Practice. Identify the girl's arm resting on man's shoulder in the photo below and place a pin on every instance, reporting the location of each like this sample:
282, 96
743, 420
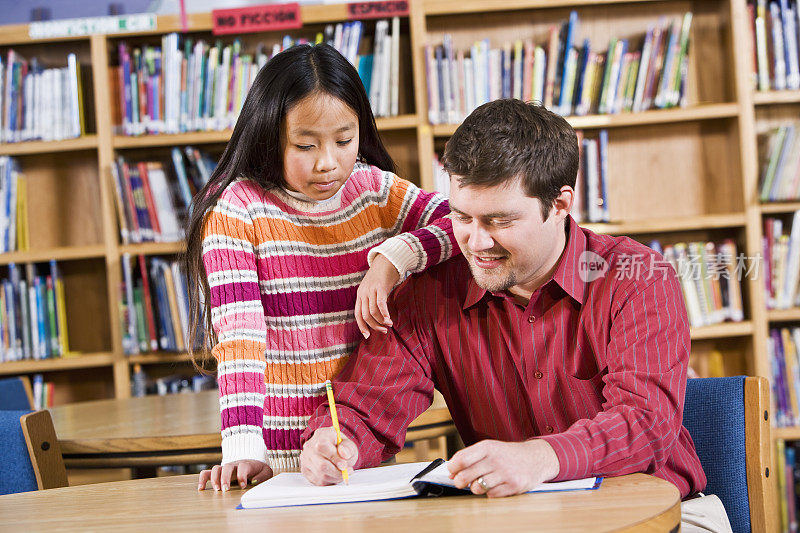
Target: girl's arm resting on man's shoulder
427, 233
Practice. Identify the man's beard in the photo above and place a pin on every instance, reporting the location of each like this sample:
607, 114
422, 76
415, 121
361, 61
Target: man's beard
491, 283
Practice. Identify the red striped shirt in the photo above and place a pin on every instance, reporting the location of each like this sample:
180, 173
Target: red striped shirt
596, 368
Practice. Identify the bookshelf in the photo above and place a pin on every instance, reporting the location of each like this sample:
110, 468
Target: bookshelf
709, 192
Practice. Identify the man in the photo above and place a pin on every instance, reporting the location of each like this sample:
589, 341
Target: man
553, 366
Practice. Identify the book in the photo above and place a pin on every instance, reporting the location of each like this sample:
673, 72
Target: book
374, 484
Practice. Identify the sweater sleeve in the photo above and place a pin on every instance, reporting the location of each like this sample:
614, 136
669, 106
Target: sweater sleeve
422, 232
238, 320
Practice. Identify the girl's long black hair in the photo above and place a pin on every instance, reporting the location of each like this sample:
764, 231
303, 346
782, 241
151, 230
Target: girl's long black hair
255, 150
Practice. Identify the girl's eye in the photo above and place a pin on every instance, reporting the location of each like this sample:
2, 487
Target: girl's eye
344, 143
304, 147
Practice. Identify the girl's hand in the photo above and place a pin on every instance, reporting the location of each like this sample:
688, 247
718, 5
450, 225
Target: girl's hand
371, 309
243, 471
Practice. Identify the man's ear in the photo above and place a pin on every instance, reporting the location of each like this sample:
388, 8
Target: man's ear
564, 201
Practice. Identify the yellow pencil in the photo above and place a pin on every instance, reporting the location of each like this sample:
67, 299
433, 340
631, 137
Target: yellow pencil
335, 419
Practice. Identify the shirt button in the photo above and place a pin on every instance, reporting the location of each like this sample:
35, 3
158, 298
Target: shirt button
549, 429
538, 375
531, 319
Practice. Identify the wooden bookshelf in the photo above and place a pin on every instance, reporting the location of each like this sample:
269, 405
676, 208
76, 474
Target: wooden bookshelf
765, 98
663, 225
153, 248
71, 361
790, 433
644, 118
784, 315
159, 358
778, 208
722, 331
70, 253
87, 142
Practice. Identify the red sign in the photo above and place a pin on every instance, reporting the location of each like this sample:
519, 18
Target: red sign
377, 10
256, 18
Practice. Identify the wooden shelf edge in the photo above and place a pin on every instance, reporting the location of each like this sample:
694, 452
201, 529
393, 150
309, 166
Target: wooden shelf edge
156, 358
153, 248
779, 207
400, 122
661, 225
783, 315
721, 331
643, 118
790, 433
73, 361
171, 139
448, 7
209, 137
776, 97
66, 253
87, 142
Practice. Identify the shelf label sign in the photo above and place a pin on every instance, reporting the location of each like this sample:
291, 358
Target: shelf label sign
376, 10
92, 25
252, 19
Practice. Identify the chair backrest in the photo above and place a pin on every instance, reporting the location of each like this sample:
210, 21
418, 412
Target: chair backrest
31, 458
15, 394
18, 475
728, 419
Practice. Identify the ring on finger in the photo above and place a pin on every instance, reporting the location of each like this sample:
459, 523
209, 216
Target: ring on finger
482, 482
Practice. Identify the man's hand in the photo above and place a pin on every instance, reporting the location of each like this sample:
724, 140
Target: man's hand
371, 309
322, 462
243, 471
506, 468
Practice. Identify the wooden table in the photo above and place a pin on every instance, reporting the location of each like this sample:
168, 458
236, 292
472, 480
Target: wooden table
629, 503
169, 430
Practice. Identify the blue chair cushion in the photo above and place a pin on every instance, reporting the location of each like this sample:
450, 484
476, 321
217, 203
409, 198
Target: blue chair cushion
714, 415
15, 463
13, 395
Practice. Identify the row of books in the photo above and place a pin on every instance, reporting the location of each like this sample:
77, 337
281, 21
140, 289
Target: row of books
782, 347
38, 103
154, 305
33, 318
14, 231
43, 392
788, 455
779, 161
631, 75
774, 26
380, 70
142, 385
781, 249
710, 275
153, 198
591, 187
187, 85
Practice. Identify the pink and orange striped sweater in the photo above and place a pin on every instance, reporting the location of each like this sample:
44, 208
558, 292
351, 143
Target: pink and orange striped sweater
284, 272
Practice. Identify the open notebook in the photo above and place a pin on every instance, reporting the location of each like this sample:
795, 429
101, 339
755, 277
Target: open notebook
371, 484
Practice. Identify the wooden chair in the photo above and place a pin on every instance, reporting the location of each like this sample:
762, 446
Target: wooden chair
16, 394
31, 457
44, 450
728, 419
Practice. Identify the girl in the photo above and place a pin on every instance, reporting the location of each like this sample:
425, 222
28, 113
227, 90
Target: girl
280, 242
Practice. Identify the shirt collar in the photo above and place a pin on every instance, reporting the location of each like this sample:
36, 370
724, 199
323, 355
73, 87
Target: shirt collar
566, 274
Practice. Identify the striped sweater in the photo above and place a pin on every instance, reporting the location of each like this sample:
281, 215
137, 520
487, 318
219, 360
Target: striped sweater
283, 273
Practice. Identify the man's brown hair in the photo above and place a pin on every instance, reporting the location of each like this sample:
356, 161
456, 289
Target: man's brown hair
506, 139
